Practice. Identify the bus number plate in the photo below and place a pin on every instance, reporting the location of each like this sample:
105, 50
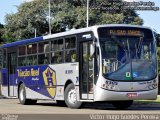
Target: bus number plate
132, 95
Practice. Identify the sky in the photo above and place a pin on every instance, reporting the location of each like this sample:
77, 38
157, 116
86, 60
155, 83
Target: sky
151, 18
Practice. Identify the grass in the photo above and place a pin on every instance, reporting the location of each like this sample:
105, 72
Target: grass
150, 101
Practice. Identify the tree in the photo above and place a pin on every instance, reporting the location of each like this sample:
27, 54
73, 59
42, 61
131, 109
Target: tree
66, 14
158, 51
1, 33
30, 16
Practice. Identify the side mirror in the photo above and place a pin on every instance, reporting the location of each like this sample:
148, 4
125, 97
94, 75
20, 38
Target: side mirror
92, 50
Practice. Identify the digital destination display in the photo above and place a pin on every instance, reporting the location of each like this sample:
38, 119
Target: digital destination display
105, 32
126, 32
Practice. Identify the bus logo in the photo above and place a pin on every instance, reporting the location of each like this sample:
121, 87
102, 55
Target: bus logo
49, 77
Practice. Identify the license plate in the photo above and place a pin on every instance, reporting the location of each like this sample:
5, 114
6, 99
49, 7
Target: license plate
132, 95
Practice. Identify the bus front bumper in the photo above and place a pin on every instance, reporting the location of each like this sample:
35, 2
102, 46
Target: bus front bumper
106, 95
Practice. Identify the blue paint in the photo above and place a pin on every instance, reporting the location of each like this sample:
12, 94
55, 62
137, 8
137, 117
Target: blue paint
12, 79
135, 74
21, 42
4, 73
35, 83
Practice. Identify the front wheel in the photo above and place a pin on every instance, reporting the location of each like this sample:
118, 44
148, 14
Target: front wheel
70, 97
121, 105
22, 96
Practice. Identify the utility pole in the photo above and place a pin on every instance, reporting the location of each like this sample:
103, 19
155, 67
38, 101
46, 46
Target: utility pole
49, 17
87, 13
35, 32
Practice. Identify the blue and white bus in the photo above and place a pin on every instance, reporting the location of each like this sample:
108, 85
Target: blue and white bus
114, 63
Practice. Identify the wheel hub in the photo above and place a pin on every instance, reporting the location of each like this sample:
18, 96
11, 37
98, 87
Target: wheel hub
72, 98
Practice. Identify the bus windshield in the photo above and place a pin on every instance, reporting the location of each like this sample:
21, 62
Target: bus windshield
128, 57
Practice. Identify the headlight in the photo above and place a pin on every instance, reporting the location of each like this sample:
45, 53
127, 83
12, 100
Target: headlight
152, 85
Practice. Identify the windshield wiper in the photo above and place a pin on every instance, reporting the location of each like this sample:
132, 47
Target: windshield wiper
140, 44
137, 48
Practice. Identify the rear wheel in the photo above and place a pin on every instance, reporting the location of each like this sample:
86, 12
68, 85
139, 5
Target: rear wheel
22, 97
70, 97
121, 105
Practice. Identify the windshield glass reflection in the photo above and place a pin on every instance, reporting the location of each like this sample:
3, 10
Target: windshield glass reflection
128, 58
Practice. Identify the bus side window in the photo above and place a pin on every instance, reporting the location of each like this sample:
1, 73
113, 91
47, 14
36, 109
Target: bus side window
22, 50
70, 56
32, 60
57, 48
57, 57
57, 45
4, 58
70, 43
43, 58
22, 56
43, 53
31, 54
43, 47
21, 61
32, 49
70, 49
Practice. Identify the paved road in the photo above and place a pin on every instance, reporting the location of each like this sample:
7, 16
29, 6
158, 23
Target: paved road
12, 106
10, 109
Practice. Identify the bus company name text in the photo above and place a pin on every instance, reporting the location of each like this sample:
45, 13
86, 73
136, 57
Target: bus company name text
27, 73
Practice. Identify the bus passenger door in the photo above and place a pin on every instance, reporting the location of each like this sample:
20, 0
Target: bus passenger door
86, 71
11, 74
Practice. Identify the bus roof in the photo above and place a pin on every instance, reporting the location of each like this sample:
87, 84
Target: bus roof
21, 42
90, 29
71, 32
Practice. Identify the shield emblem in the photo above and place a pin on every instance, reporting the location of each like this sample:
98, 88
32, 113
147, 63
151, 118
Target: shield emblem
49, 77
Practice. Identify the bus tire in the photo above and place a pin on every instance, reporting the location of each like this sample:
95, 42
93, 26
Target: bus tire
121, 105
22, 96
70, 97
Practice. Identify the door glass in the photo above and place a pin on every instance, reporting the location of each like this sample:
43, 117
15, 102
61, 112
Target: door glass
90, 77
87, 69
11, 72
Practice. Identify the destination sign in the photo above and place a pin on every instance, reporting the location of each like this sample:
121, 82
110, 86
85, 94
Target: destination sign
127, 32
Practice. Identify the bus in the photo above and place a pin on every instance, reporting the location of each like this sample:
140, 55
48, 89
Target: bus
114, 63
